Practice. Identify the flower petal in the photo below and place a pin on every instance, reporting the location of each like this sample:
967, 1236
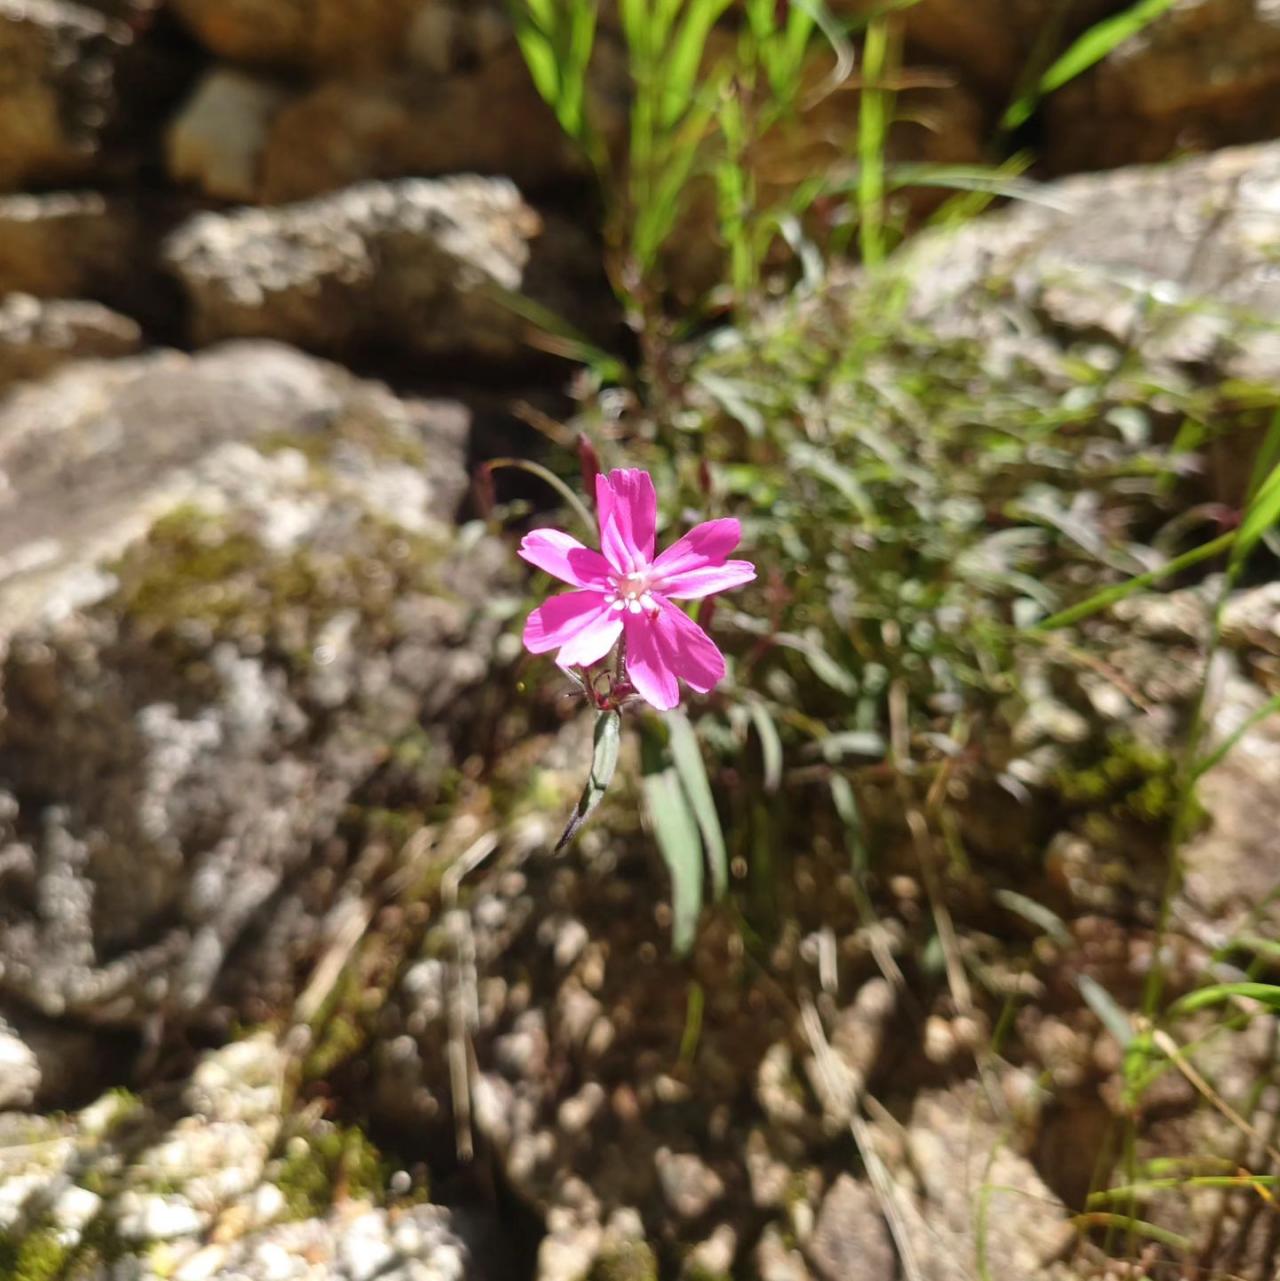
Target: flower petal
693, 584
705, 544
593, 642
627, 509
559, 620
648, 663
695, 657
562, 555
667, 646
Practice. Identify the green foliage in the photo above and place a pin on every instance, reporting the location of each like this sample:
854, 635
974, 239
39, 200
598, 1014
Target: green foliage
556, 38
632, 1261
325, 1161
676, 830
38, 1255
604, 761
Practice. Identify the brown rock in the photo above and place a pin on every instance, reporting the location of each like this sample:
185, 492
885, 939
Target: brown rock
79, 245
989, 42
57, 91
345, 35
488, 121
1205, 74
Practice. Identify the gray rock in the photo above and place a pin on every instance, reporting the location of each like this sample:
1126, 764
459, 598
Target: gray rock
1175, 260
691, 1187
215, 142
419, 266
19, 1071
850, 1238
37, 335
968, 1175
184, 721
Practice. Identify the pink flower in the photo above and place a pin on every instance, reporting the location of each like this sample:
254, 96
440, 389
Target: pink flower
628, 590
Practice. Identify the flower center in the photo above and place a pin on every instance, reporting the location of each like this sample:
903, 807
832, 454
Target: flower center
631, 592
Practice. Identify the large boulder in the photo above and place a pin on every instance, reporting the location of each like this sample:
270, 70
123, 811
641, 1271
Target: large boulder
230, 584
420, 267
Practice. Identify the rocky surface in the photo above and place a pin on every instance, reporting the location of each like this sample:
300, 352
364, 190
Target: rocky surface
208, 1184
229, 582
36, 335
1174, 262
275, 816
421, 267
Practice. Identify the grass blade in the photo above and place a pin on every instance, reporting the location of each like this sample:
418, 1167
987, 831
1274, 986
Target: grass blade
873, 128
538, 470
1267, 993
687, 756
1123, 1222
604, 761
684, 57
1090, 48
1260, 514
1219, 753
770, 744
1108, 597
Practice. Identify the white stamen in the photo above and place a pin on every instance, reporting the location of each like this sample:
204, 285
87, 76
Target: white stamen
634, 605
648, 602
618, 604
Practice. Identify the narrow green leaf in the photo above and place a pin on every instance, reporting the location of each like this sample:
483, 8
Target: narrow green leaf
1267, 993
540, 58
845, 800
1039, 915
1260, 514
538, 470
1090, 48
687, 755
770, 744
604, 762
1268, 457
1108, 597
823, 666
683, 58
676, 832
835, 747
1220, 753
1105, 1006
873, 128
1124, 1223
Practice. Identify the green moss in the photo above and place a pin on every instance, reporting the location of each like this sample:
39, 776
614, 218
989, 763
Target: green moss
38, 1255
632, 1261
371, 433
326, 1162
197, 573
1133, 781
